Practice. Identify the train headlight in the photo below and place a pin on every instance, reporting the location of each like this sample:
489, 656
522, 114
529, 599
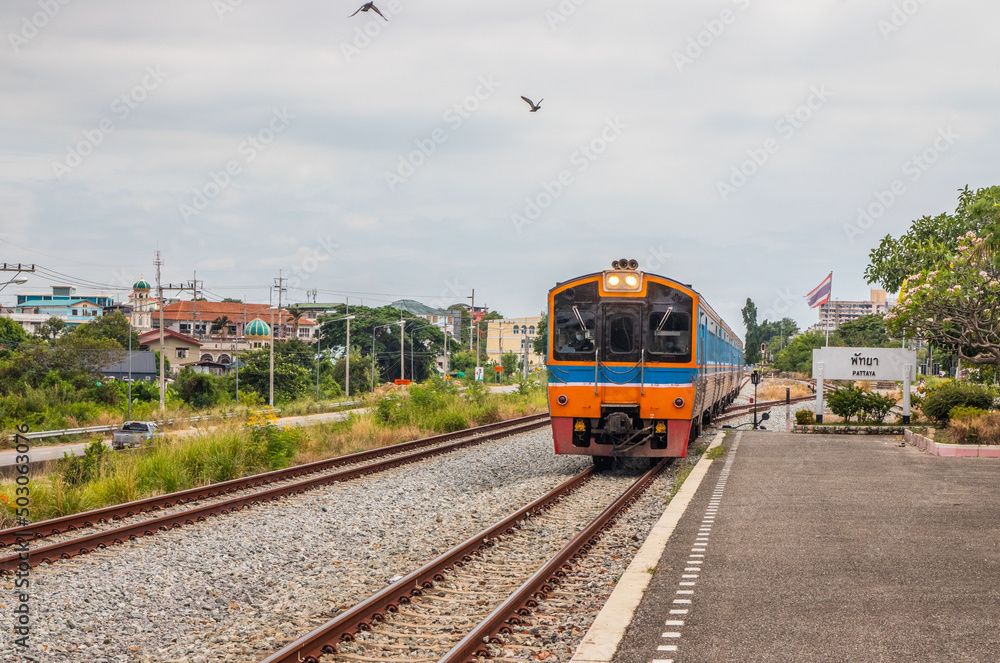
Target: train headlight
619, 281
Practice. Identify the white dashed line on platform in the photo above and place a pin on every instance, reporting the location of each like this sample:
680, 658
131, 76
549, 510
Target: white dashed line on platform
696, 555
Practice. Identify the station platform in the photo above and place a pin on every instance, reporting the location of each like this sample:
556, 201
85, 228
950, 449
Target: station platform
815, 548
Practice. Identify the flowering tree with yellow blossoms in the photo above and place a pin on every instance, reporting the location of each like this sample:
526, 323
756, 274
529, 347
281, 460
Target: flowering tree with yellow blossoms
956, 306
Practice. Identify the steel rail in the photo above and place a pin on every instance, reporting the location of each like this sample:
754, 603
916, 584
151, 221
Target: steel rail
324, 639
107, 514
101, 539
543, 582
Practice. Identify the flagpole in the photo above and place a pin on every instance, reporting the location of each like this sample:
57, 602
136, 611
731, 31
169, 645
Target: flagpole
828, 322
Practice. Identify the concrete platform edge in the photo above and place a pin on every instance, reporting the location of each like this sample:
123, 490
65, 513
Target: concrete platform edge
602, 639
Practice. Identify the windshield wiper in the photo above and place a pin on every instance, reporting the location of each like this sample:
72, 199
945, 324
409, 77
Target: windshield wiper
659, 327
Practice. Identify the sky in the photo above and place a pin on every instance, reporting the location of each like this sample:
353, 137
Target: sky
746, 147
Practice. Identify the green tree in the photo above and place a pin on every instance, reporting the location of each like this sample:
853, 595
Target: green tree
797, 355
510, 362
956, 306
199, 390
291, 379
11, 334
221, 324
868, 331
114, 326
751, 345
51, 328
541, 342
428, 340
932, 242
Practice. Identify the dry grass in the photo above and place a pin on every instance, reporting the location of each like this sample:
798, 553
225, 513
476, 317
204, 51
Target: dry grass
984, 429
773, 389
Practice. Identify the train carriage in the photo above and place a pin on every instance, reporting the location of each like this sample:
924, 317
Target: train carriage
637, 364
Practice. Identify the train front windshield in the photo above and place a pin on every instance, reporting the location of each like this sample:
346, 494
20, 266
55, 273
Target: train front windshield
621, 328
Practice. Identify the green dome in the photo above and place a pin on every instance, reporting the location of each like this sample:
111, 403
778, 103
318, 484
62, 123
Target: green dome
257, 328
142, 284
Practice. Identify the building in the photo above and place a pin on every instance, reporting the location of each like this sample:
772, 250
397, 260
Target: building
62, 294
443, 319
141, 314
142, 367
179, 349
196, 319
835, 313
34, 308
514, 335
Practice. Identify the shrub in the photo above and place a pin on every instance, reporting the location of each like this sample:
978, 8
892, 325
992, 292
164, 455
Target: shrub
451, 421
965, 412
938, 404
76, 471
875, 407
846, 402
804, 418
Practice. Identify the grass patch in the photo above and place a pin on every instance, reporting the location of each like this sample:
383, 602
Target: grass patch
717, 452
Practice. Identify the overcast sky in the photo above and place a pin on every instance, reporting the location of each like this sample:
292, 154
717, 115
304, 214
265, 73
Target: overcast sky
396, 158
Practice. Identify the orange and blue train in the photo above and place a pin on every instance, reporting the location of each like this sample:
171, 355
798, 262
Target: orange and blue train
637, 364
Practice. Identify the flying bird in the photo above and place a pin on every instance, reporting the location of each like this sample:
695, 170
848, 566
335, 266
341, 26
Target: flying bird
534, 106
370, 5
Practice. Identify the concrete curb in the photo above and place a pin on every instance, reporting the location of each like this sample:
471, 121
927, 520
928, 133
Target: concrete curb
953, 450
602, 639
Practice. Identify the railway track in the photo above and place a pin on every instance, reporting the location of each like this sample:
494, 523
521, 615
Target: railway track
459, 605
742, 410
200, 503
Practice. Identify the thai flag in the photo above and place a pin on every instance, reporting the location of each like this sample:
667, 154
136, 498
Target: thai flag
821, 294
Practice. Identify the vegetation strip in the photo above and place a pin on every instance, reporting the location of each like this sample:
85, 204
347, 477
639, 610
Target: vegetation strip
85, 544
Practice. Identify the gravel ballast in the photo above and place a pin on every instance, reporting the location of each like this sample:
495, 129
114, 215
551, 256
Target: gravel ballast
239, 586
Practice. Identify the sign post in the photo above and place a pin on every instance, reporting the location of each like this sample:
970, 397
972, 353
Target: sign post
892, 364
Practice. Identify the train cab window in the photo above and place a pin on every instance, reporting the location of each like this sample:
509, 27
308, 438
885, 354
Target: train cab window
669, 334
574, 323
573, 333
668, 321
622, 331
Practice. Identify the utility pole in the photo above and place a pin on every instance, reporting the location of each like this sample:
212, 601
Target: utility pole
280, 283
270, 398
159, 296
194, 305
347, 357
472, 318
402, 346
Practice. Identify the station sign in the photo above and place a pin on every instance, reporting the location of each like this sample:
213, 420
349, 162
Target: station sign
480, 373
865, 364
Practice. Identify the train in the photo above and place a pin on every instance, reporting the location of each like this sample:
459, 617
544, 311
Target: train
637, 364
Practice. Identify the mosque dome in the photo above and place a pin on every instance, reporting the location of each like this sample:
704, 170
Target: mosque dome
256, 329
142, 284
